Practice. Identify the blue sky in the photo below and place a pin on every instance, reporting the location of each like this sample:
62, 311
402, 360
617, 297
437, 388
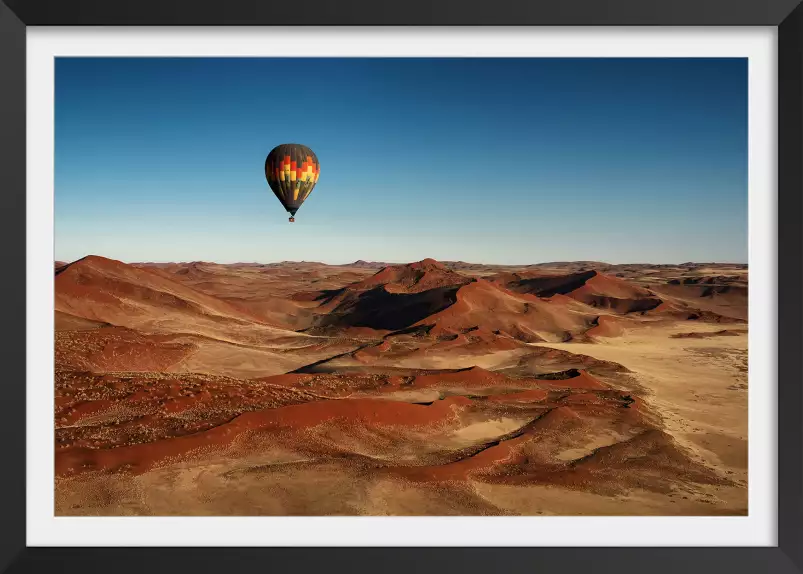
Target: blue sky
483, 160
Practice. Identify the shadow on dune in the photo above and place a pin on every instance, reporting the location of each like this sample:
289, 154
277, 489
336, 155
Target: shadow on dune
379, 309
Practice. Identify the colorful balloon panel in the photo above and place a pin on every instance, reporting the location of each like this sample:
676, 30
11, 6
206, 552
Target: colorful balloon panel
292, 171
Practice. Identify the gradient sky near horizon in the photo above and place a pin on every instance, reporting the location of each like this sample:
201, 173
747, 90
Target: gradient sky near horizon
485, 160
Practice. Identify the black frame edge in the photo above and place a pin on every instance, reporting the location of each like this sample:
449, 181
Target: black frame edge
788, 557
12, 350
790, 285
406, 560
407, 13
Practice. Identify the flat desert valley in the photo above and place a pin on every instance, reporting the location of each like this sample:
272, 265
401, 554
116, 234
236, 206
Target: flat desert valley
428, 388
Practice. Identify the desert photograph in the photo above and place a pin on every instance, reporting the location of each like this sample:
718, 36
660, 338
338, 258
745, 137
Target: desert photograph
401, 287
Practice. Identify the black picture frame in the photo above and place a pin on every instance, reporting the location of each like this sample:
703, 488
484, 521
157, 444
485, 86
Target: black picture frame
787, 15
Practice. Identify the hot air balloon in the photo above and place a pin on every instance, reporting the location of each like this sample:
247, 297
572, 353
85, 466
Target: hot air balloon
292, 171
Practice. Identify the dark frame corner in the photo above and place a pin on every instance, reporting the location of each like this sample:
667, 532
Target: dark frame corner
787, 15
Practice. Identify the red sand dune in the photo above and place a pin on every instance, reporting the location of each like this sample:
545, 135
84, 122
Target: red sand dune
383, 310
607, 326
533, 396
589, 287
413, 277
104, 289
522, 317
582, 380
439, 340
479, 340
727, 300
479, 377
650, 460
119, 349
473, 377
113, 292
528, 306
392, 299
498, 454
66, 322
373, 412
484, 461
699, 335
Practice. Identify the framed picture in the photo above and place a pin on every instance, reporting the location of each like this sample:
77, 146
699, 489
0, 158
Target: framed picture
433, 286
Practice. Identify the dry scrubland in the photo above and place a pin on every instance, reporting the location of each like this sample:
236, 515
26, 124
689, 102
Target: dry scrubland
421, 389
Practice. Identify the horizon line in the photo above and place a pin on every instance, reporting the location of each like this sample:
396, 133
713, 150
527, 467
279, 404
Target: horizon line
286, 261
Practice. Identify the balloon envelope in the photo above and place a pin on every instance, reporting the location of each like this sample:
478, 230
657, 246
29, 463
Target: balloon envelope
292, 171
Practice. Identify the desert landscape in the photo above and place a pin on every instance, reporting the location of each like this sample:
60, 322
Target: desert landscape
425, 388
